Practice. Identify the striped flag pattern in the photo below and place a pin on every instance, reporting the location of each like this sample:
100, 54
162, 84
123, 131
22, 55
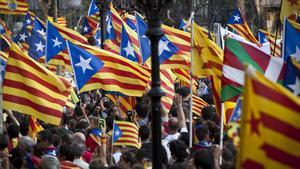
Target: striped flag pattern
198, 105
185, 78
34, 127
14, 7
32, 89
125, 103
118, 74
125, 134
270, 124
167, 79
60, 20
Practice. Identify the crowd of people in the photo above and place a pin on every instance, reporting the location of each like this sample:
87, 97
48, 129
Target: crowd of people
71, 144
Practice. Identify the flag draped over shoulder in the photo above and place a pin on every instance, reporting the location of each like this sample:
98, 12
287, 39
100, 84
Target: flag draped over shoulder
236, 55
32, 89
289, 8
270, 125
14, 7
125, 134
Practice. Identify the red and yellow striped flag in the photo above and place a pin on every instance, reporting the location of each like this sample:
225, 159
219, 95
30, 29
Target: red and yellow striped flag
270, 125
125, 134
60, 20
271, 38
34, 127
14, 7
32, 89
198, 105
125, 103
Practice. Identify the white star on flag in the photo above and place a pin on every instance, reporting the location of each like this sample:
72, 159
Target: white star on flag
265, 39
163, 46
85, 29
28, 21
296, 55
23, 37
117, 133
56, 42
236, 18
84, 64
129, 49
295, 87
39, 46
109, 27
42, 32
98, 41
2, 68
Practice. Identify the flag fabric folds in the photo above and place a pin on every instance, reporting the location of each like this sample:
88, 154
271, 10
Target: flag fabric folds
34, 127
125, 134
265, 36
3, 28
198, 105
289, 8
236, 55
116, 74
270, 124
292, 56
14, 7
238, 23
32, 89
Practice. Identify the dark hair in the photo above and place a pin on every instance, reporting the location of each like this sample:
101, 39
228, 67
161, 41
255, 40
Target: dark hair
208, 112
183, 91
178, 149
208, 98
46, 135
144, 132
142, 110
185, 138
66, 138
109, 122
202, 132
82, 124
204, 159
17, 157
56, 140
3, 142
25, 127
143, 153
66, 152
78, 111
13, 130
96, 164
78, 149
129, 157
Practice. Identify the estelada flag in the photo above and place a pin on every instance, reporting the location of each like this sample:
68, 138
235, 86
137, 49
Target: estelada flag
270, 125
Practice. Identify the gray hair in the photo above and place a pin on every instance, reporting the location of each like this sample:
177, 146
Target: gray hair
78, 149
78, 137
26, 143
49, 162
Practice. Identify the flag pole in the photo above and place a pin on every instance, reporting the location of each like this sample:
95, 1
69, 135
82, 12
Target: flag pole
112, 143
277, 27
191, 80
1, 99
221, 130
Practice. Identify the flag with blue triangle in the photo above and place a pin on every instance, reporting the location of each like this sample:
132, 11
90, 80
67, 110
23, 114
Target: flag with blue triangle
55, 43
292, 56
93, 9
28, 20
127, 49
37, 44
2, 68
262, 38
166, 49
23, 36
237, 111
144, 40
84, 64
97, 37
39, 27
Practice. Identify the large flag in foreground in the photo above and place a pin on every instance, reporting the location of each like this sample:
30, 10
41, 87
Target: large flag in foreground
14, 7
32, 89
270, 125
236, 55
125, 134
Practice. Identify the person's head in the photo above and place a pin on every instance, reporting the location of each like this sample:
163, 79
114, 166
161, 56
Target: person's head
78, 112
24, 127
78, 149
203, 159
144, 132
66, 153
173, 125
178, 150
78, 137
208, 112
142, 110
13, 130
96, 164
82, 124
3, 142
184, 92
202, 133
26, 143
94, 122
109, 122
127, 160
71, 124
49, 162
185, 138
16, 159
45, 139
114, 112
66, 138
208, 98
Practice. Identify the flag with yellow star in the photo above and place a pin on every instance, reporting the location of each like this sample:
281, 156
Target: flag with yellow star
289, 8
270, 126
